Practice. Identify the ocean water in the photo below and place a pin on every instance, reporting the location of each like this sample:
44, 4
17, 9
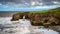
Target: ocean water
22, 26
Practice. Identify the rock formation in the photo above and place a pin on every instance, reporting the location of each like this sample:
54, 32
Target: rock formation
38, 19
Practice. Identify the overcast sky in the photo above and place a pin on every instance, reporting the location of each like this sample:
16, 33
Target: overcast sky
31, 2
19, 5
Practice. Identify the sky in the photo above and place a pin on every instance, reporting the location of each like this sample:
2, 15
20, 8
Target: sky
28, 5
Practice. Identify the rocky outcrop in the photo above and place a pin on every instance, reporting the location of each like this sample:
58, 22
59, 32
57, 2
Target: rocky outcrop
18, 16
50, 19
38, 19
15, 17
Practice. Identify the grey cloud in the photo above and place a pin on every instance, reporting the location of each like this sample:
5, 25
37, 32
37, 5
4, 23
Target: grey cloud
28, 2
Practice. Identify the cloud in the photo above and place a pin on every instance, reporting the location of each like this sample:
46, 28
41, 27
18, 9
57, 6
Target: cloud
29, 3
32, 3
55, 2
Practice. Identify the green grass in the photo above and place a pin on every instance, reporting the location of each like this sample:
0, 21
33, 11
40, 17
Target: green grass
52, 11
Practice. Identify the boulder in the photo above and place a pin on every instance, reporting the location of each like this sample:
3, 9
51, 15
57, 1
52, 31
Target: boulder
15, 17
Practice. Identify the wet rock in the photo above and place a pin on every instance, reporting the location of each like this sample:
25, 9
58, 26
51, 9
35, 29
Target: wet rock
19, 15
15, 17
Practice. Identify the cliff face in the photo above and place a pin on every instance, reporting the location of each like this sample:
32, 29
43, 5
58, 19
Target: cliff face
45, 18
38, 19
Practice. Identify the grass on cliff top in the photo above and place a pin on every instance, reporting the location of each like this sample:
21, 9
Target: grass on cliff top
52, 11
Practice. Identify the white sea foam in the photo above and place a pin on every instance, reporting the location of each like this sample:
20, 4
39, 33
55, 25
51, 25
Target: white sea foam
21, 27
